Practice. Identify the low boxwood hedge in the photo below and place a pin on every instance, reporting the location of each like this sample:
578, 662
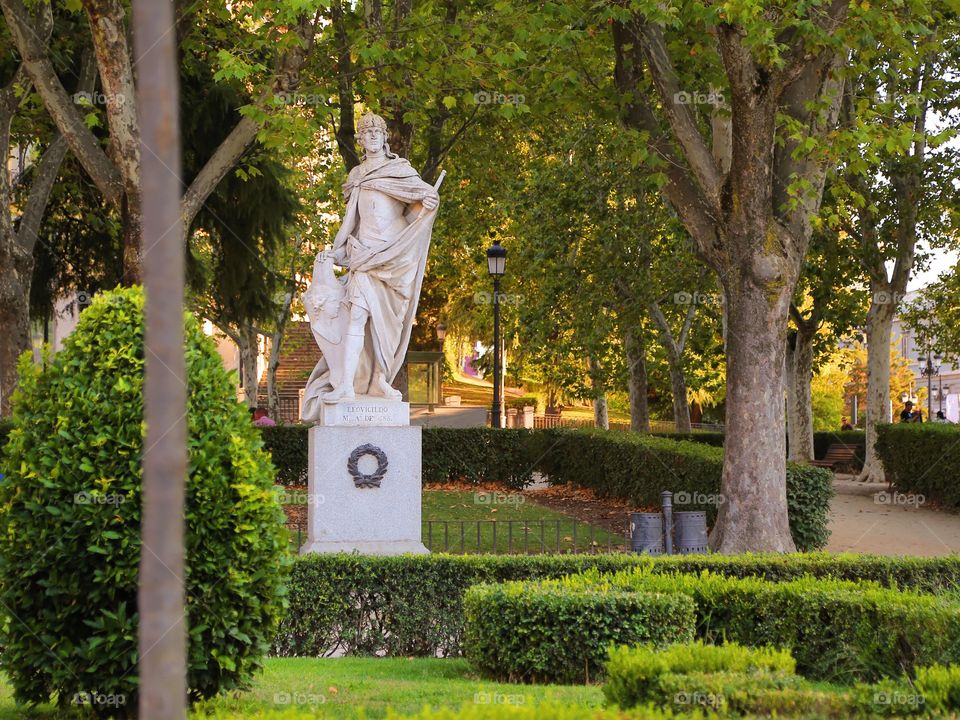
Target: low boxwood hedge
524, 632
629, 466
923, 459
473, 455
712, 438
837, 630
821, 441
635, 675
741, 681
413, 605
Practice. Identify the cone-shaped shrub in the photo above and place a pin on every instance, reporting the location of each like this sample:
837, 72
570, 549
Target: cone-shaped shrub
70, 509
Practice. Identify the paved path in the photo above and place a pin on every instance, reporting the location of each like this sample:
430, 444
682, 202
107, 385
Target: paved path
865, 518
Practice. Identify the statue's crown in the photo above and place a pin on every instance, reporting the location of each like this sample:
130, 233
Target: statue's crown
371, 120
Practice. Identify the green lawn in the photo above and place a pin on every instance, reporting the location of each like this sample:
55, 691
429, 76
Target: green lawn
508, 524
516, 524
338, 686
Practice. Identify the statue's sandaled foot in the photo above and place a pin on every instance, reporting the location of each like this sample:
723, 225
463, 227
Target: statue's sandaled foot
343, 392
383, 388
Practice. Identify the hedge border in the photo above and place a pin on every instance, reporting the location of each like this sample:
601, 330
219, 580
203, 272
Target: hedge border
519, 632
922, 459
413, 605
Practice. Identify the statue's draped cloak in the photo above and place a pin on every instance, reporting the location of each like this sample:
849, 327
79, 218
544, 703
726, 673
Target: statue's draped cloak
384, 277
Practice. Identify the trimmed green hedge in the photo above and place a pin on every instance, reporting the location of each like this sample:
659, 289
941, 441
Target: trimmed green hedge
475, 455
922, 459
478, 455
760, 682
287, 445
836, 630
635, 674
712, 438
821, 440
413, 605
524, 632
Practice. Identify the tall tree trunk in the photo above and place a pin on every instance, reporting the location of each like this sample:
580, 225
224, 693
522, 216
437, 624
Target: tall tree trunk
681, 408
637, 379
754, 470
674, 348
276, 346
790, 389
247, 343
601, 414
879, 330
799, 369
16, 271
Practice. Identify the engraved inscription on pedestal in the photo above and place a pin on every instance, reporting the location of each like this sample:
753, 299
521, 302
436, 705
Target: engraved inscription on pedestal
365, 412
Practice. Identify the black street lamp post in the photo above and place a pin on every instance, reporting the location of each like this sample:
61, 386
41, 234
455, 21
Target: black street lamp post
496, 265
930, 366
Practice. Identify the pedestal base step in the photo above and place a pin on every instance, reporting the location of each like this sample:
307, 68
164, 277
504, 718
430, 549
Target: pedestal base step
365, 547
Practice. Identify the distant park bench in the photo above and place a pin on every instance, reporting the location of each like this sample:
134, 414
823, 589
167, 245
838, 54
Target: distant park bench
838, 454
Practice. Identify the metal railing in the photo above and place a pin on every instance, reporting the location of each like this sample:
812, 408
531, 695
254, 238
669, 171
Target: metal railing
510, 537
667, 426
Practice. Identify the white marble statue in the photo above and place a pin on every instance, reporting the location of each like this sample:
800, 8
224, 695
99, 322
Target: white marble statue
362, 320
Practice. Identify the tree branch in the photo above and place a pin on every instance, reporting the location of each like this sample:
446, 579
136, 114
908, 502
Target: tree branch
681, 192
45, 174
65, 114
682, 123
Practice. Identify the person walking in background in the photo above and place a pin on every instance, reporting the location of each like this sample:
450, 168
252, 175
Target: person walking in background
846, 425
941, 418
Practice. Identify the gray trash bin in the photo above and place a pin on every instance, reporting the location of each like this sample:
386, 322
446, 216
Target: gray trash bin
646, 533
690, 528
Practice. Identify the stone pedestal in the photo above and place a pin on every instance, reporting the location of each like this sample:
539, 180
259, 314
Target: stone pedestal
364, 479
